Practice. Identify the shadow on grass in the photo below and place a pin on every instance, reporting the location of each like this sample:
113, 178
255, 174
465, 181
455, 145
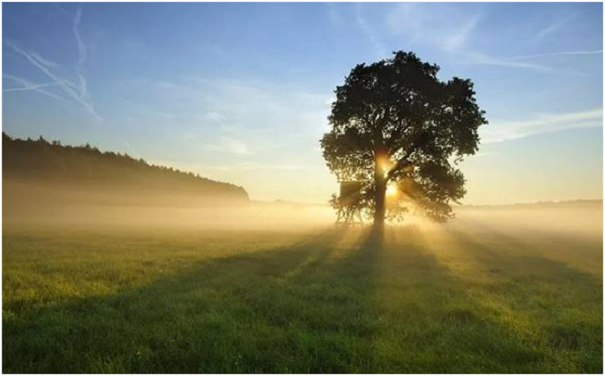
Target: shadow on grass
282, 310
338, 302
547, 304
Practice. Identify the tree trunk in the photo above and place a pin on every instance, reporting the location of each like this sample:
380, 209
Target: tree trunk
379, 212
380, 183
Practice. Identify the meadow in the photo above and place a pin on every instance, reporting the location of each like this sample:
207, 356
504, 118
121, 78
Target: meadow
495, 291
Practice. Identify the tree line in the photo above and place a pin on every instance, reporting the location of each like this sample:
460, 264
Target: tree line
50, 162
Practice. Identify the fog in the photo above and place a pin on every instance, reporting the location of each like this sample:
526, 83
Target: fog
36, 205
43, 206
584, 218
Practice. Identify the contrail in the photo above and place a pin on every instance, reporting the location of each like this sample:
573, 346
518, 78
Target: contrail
27, 86
81, 54
78, 92
66, 85
562, 53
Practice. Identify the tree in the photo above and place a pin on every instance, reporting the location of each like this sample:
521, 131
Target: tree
395, 123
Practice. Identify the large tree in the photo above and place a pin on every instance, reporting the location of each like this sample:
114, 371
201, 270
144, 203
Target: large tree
395, 123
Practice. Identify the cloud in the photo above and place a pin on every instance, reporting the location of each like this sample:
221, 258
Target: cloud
25, 85
253, 166
554, 27
59, 8
460, 37
443, 25
502, 130
256, 108
217, 117
483, 59
450, 28
170, 85
560, 53
517, 61
334, 16
236, 118
82, 57
230, 146
369, 31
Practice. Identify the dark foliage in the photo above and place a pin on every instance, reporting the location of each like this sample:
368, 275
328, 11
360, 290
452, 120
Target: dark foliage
395, 122
43, 162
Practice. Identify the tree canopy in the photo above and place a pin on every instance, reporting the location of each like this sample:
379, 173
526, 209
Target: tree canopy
395, 124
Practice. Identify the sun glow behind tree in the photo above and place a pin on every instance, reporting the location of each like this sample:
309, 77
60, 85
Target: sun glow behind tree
395, 122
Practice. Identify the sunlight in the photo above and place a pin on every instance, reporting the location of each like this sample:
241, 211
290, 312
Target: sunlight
391, 190
385, 164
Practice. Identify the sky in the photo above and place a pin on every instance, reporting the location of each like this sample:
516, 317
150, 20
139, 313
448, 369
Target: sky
240, 92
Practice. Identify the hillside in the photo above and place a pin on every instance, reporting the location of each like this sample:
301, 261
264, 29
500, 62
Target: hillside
48, 172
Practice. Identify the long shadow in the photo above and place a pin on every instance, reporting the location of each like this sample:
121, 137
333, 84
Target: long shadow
336, 302
436, 322
289, 309
549, 304
523, 255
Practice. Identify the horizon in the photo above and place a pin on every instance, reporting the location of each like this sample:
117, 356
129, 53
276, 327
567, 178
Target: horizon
236, 94
286, 202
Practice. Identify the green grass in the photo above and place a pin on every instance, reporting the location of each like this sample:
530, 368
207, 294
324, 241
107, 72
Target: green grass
460, 299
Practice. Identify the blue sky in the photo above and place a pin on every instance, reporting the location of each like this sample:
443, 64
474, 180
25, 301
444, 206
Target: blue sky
240, 92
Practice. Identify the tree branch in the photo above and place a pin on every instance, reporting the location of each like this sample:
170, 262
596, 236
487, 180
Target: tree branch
403, 162
400, 165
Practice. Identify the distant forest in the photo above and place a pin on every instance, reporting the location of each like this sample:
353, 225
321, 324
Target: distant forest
49, 163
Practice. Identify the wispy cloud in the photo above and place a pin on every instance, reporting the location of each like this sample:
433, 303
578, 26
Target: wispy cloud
229, 145
81, 54
459, 38
452, 29
25, 85
59, 8
253, 166
442, 25
47, 63
369, 31
554, 27
334, 15
217, 117
244, 120
130, 148
77, 92
560, 53
503, 130
258, 108
483, 59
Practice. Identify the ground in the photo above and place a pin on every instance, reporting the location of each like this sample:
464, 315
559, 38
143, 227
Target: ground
475, 295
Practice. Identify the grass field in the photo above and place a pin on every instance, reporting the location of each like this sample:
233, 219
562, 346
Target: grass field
478, 295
